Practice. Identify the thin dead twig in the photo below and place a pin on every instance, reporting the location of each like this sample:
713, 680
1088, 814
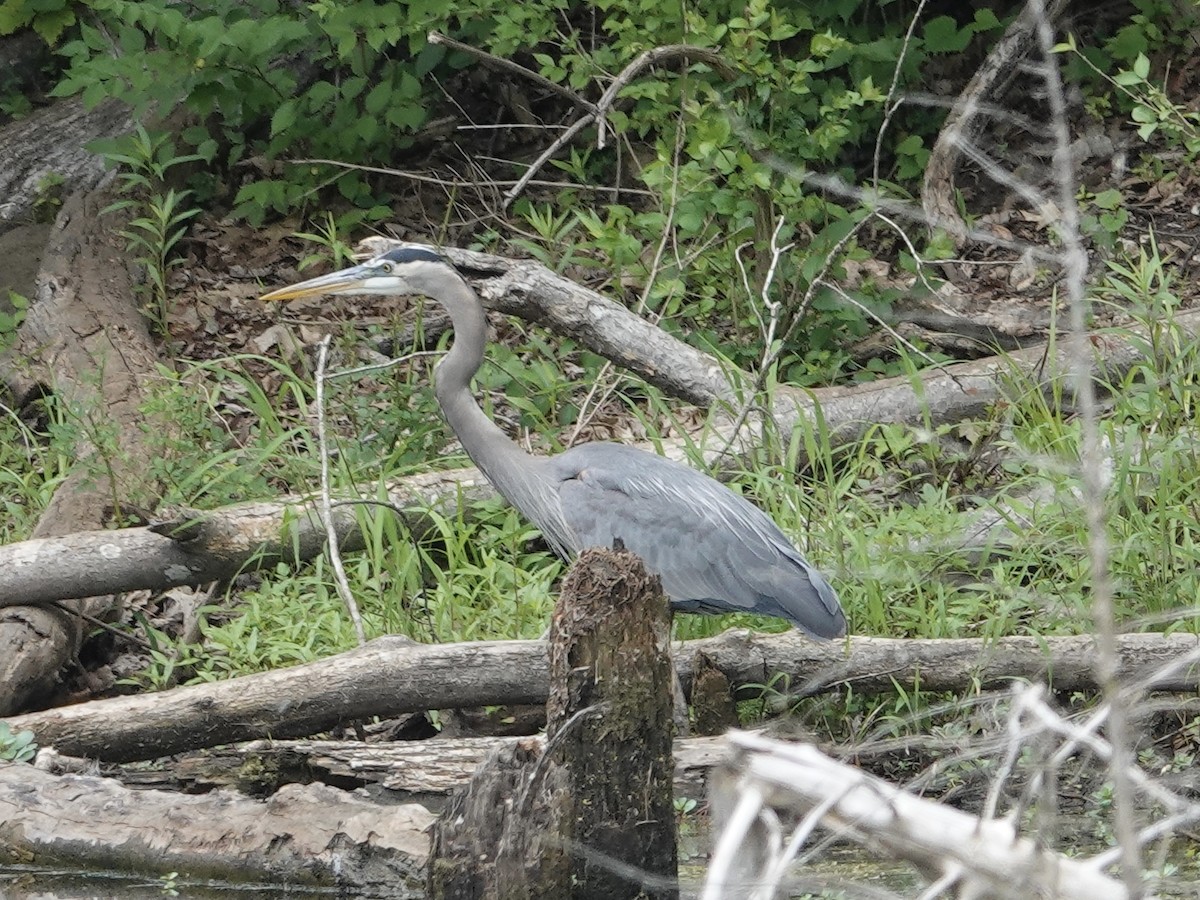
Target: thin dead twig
1074, 264
608, 98
335, 555
499, 62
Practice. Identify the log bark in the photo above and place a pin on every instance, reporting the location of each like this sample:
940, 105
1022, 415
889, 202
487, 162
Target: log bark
422, 772
45, 157
84, 341
310, 835
573, 817
390, 677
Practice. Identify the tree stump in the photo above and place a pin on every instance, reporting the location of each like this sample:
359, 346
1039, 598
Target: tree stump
593, 817
712, 697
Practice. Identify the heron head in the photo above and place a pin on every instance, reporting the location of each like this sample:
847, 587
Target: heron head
405, 270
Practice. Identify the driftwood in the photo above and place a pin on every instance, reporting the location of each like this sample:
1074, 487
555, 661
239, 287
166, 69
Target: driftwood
766, 784
390, 677
304, 835
572, 816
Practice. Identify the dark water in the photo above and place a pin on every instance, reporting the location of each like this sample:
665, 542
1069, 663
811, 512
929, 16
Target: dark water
36, 883
841, 871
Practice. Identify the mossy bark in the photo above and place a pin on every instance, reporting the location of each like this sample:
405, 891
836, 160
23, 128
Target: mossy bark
593, 816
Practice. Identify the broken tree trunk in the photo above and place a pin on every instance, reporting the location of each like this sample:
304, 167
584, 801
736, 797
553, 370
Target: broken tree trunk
85, 342
593, 816
390, 677
972, 110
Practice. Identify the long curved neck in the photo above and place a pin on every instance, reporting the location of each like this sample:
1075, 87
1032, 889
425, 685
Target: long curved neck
505, 464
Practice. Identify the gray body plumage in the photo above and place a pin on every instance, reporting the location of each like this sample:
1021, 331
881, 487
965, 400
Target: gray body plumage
714, 550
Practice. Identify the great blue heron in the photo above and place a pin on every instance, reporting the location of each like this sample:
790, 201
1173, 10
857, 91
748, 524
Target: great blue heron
715, 551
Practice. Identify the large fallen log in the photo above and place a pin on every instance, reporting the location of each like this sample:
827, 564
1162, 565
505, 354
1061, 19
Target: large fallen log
194, 548
391, 677
304, 835
412, 771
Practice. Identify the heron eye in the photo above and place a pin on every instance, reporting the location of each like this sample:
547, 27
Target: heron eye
388, 266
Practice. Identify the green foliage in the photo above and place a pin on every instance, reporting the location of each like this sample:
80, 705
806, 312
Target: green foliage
32, 466
1154, 112
1102, 217
153, 235
201, 462
19, 746
804, 88
1136, 89
48, 18
328, 237
11, 318
49, 197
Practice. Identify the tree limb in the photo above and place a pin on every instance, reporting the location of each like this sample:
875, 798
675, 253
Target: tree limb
982, 857
85, 341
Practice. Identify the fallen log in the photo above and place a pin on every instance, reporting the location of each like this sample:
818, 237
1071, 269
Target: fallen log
422, 772
390, 677
307, 835
193, 548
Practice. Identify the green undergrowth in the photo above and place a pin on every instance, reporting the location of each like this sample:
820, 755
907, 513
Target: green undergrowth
898, 520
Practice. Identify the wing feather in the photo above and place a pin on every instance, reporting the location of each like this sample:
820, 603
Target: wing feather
714, 550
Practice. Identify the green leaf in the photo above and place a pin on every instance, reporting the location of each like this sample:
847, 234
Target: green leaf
985, 20
320, 93
378, 98
284, 117
942, 35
